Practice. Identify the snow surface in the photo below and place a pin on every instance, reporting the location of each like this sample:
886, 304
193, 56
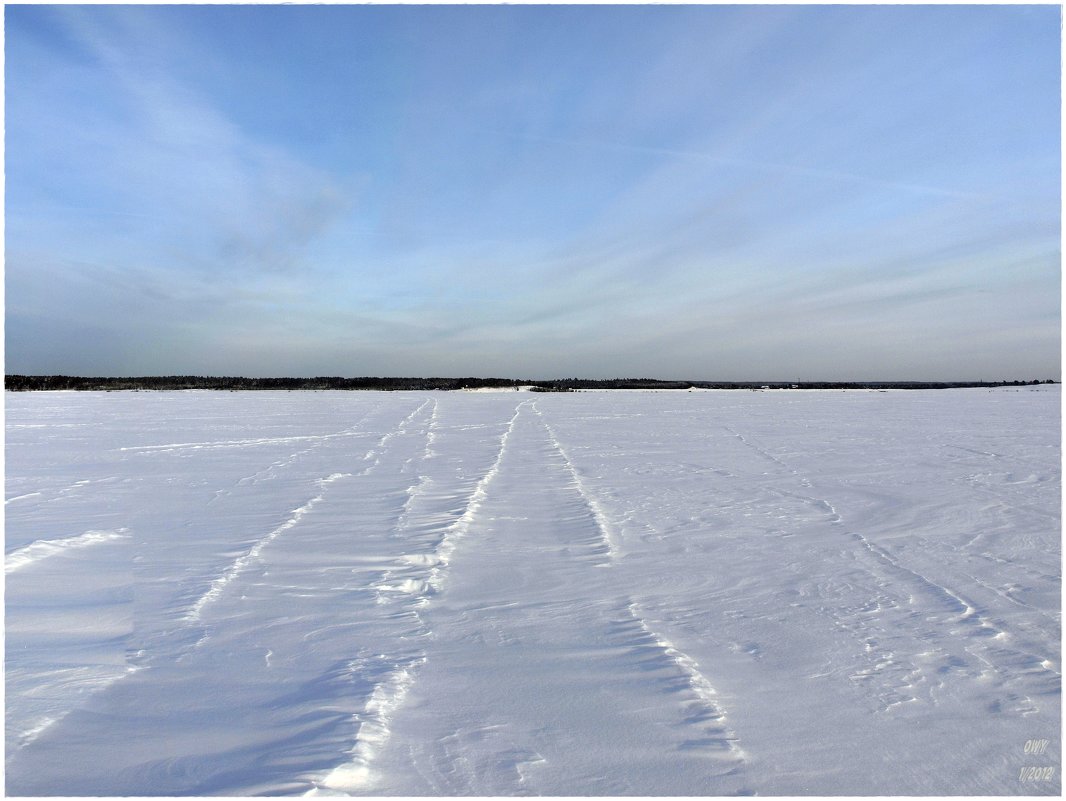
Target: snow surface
599, 593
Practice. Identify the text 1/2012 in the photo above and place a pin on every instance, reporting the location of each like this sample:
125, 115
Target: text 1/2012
1036, 774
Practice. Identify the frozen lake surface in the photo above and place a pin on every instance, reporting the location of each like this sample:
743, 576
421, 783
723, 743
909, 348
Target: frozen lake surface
508, 593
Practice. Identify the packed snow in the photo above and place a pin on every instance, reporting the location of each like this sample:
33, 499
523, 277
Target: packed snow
508, 593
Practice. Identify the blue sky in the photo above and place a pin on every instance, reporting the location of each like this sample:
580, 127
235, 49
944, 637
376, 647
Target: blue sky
746, 192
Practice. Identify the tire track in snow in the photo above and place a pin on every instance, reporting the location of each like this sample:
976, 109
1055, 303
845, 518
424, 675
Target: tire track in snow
767, 455
610, 546
431, 435
374, 715
652, 675
431, 432
965, 610
374, 731
378, 450
388, 694
989, 648
898, 678
386, 585
271, 469
702, 707
42, 549
241, 563
457, 530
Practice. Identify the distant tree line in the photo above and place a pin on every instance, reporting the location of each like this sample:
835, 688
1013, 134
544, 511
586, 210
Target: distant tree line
868, 384
53, 382
25, 383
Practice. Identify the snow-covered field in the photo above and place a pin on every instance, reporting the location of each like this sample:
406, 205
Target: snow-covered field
600, 593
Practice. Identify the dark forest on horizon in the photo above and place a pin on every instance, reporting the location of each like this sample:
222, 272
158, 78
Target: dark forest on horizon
28, 383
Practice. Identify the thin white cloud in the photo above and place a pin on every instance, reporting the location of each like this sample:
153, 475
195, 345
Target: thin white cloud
769, 167
229, 198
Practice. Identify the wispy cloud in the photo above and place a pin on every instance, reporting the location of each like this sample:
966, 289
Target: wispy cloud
771, 168
221, 197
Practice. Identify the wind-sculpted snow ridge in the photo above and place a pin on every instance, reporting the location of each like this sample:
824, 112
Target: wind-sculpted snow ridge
65, 492
42, 549
609, 544
237, 443
702, 708
85, 680
243, 561
373, 734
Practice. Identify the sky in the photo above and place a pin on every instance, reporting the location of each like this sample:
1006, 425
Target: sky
677, 192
